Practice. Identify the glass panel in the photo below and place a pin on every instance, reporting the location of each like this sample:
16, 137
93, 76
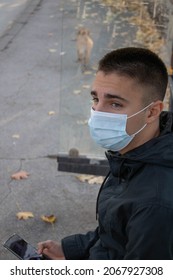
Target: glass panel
112, 24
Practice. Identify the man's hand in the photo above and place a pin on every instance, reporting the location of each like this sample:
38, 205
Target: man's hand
51, 249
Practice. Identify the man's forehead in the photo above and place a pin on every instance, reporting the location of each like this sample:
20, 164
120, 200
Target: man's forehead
114, 81
103, 83
113, 84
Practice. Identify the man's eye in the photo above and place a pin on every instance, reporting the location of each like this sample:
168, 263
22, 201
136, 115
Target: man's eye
116, 105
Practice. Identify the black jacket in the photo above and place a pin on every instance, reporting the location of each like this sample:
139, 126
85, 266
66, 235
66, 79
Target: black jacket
135, 205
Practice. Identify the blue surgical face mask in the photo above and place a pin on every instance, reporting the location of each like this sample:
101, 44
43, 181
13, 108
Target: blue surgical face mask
109, 130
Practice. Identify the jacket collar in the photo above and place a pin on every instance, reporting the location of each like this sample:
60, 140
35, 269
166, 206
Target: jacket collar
125, 166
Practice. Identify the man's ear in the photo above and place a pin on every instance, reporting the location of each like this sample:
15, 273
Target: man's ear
154, 111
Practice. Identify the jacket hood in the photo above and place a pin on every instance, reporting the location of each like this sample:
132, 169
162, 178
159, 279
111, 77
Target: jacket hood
158, 151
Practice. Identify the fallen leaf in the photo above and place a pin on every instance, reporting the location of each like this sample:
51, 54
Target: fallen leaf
82, 122
52, 50
16, 136
86, 86
170, 71
20, 175
24, 215
94, 68
77, 91
124, 33
88, 73
51, 113
96, 180
48, 219
90, 179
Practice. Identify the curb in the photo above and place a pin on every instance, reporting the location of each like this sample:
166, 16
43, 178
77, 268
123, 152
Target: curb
22, 19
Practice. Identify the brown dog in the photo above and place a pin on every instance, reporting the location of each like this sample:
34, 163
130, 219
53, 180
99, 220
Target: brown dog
84, 45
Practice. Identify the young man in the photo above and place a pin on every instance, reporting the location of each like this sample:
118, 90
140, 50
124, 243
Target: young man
135, 202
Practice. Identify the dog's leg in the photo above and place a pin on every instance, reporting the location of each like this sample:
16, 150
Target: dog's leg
79, 55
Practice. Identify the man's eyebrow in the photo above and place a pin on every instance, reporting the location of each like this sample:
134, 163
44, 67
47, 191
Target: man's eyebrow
110, 96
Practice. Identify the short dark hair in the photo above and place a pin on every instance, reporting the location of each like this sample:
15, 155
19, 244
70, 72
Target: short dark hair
140, 64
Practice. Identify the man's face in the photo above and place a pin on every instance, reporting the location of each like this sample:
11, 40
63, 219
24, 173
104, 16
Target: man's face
120, 95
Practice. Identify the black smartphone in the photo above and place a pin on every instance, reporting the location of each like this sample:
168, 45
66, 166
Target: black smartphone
22, 249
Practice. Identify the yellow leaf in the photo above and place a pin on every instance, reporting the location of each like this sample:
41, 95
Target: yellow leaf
94, 68
82, 122
20, 175
48, 219
24, 215
90, 179
16, 136
96, 180
170, 71
88, 73
86, 86
77, 91
51, 113
52, 50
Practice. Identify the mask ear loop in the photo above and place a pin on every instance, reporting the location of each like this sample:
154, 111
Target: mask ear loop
135, 115
139, 130
140, 110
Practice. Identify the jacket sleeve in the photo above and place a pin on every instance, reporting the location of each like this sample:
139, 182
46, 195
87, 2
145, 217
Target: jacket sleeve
76, 247
150, 234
